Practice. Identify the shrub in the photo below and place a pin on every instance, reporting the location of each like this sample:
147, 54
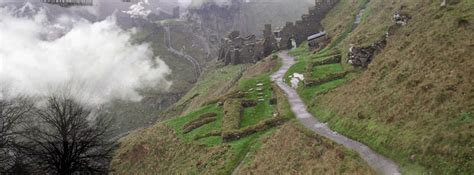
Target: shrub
274, 56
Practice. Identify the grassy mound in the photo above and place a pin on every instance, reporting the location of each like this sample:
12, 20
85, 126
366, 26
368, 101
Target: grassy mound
201, 121
232, 114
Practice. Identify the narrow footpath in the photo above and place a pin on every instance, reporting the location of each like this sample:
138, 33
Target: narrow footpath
197, 66
376, 161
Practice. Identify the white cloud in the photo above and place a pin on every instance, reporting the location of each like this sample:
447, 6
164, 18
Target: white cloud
96, 61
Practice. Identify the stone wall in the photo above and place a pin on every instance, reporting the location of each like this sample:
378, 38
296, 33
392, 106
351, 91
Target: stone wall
235, 49
308, 25
240, 50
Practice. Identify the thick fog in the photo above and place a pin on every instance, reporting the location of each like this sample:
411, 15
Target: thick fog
94, 60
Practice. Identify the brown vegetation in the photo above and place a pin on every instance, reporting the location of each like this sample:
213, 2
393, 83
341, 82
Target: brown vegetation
416, 100
294, 151
158, 150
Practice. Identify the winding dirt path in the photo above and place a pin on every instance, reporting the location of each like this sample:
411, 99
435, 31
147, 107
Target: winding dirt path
376, 161
197, 66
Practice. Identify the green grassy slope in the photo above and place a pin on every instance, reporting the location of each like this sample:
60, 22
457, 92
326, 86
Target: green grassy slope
212, 148
415, 102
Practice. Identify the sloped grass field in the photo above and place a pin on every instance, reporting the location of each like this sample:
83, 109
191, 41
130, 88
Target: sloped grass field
263, 110
415, 102
305, 57
253, 116
158, 150
178, 123
327, 69
294, 150
167, 148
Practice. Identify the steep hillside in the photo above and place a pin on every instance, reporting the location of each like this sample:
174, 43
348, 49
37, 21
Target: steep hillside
233, 131
415, 101
294, 150
183, 77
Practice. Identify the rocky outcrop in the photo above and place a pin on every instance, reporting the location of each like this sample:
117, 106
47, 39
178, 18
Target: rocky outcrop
363, 56
400, 18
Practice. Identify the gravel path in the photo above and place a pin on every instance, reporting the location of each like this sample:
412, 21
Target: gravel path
376, 161
197, 66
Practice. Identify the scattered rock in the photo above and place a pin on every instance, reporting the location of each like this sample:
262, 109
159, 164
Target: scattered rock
413, 157
444, 3
362, 56
295, 79
400, 19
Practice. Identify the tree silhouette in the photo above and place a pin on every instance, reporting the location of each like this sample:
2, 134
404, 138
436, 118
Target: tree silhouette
68, 138
12, 114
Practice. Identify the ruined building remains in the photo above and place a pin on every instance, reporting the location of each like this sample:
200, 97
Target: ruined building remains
309, 24
317, 40
241, 50
176, 12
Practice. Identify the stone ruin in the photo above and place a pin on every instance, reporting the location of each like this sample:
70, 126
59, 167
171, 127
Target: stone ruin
308, 25
242, 50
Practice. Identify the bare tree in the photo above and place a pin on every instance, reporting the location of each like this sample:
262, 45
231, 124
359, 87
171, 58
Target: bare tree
12, 114
68, 138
